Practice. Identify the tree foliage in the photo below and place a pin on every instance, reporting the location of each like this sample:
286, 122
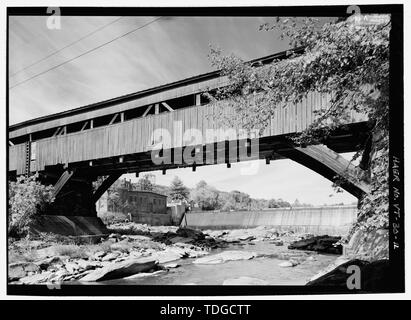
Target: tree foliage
27, 199
178, 191
205, 196
145, 183
346, 62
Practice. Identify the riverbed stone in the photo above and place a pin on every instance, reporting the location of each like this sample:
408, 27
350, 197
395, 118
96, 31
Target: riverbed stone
44, 264
110, 256
225, 256
196, 253
37, 278
278, 243
287, 264
20, 269
166, 256
86, 265
137, 237
121, 269
71, 266
99, 254
59, 275
245, 281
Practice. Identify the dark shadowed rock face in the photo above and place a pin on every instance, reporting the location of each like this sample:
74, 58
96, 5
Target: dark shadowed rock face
374, 276
322, 244
190, 233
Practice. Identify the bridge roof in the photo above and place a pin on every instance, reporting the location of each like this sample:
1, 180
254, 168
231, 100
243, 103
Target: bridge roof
15, 129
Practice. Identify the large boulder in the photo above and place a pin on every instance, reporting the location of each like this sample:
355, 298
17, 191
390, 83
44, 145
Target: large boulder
121, 269
225, 256
323, 244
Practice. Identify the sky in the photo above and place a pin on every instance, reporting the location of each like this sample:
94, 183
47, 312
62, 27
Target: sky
167, 50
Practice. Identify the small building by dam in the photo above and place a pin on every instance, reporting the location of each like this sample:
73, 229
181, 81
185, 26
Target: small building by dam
140, 206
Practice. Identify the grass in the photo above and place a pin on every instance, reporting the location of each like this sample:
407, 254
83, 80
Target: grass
91, 249
28, 256
71, 250
122, 246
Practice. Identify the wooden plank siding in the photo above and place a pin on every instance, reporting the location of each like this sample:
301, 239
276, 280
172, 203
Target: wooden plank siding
17, 158
135, 136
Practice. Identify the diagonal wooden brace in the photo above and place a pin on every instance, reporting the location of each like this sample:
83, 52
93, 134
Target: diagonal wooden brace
62, 181
329, 163
104, 186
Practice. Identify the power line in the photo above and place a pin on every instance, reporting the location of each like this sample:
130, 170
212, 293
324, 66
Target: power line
65, 47
84, 53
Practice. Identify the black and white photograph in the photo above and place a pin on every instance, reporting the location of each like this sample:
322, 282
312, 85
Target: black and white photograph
205, 151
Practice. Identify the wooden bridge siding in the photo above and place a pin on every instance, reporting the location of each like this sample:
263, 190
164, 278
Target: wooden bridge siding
17, 158
134, 136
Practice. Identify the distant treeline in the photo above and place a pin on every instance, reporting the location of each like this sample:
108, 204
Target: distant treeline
204, 196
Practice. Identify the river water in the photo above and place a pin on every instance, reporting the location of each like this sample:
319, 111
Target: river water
262, 268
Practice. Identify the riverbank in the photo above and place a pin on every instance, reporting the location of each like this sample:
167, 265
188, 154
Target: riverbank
139, 251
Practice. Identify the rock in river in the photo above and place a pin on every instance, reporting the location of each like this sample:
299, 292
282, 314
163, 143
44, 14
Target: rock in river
190, 233
225, 256
324, 244
245, 281
166, 256
287, 264
121, 269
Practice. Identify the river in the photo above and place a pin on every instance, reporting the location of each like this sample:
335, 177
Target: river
266, 269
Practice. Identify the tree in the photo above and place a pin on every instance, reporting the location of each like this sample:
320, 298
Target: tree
178, 191
114, 200
272, 203
280, 203
205, 196
296, 203
258, 204
145, 183
226, 201
348, 62
27, 199
242, 200
201, 184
